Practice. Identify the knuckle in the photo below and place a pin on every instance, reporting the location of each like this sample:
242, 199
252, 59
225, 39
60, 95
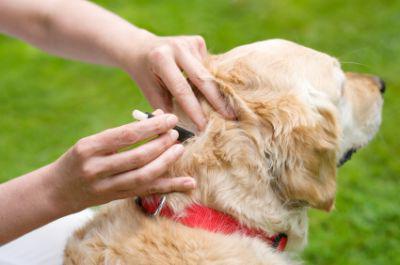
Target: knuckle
158, 54
167, 187
96, 190
141, 157
153, 190
129, 134
105, 167
176, 42
140, 179
89, 171
160, 125
199, 40
203, 80
181, 88
83, 148
182, 47
171, 187
151, 173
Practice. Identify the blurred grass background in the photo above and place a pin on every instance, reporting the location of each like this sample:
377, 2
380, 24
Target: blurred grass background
47, 103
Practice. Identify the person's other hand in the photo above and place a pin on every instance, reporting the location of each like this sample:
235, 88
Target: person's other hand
157, 67
93, 172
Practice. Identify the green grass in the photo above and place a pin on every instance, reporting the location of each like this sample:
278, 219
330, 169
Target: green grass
47, 103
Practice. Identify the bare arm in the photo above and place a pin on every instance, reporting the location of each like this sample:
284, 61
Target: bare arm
81, 30
72, 29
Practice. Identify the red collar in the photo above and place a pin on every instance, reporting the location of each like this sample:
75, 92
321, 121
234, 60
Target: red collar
200, 216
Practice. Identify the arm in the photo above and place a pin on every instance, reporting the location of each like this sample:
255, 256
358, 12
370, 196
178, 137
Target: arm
93, 172
81, 30
73, 29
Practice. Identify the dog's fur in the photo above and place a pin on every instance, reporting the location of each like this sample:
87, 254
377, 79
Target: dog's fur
298, 114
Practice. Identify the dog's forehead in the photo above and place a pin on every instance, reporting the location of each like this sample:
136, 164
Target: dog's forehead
277, 48
287, 65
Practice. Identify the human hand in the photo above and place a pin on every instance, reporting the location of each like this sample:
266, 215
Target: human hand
157, 65
93, 172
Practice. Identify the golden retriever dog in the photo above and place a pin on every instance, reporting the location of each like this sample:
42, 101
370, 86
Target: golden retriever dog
299, 116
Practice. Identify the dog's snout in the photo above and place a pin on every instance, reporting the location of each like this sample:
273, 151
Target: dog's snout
381, 84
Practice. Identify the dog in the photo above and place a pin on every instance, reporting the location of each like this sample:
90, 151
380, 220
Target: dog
299, 117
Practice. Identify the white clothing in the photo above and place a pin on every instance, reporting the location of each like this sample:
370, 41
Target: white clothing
45, 245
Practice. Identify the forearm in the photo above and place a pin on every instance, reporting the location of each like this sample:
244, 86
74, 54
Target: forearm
73, 29
26, 203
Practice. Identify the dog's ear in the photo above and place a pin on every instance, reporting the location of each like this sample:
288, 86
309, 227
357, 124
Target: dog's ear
302, 149
234, 84
310, 174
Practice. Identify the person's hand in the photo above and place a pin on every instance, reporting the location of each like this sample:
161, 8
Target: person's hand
93, 172
157, 64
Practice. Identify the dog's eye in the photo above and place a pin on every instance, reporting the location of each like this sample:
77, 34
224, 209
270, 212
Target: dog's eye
347, 156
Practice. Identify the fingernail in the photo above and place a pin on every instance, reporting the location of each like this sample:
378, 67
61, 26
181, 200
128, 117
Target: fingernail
173, 134
171, 120
190, 183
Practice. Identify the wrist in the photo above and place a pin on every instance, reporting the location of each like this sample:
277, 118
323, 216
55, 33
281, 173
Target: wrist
27, 203
129, 52
55, 202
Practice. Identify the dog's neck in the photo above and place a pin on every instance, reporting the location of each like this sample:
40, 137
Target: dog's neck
231, 179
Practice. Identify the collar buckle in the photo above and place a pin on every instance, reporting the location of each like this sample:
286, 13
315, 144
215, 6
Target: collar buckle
159, 208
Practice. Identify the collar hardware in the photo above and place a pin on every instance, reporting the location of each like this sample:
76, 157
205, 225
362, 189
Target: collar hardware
209, 219
157, 210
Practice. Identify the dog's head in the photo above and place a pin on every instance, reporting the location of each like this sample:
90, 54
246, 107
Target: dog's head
299, 117
310, 115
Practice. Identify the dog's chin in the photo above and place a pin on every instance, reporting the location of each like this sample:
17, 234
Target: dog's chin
347, 156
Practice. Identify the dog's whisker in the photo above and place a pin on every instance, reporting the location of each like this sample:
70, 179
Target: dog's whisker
355, 63
354, 51
381, 137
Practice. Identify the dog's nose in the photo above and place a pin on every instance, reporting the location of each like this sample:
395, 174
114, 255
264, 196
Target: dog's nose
381, 84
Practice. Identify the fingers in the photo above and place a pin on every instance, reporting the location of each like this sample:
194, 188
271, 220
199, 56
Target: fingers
187, 53
145, 175
137, 157
204, 81
166, 185
114, 139
174, 80
201, 46
197, 47
162, 185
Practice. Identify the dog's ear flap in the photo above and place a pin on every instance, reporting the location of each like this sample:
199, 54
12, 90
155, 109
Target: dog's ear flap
311, 175
305, 151
231, 88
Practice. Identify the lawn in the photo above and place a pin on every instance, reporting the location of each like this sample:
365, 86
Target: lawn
47, 103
